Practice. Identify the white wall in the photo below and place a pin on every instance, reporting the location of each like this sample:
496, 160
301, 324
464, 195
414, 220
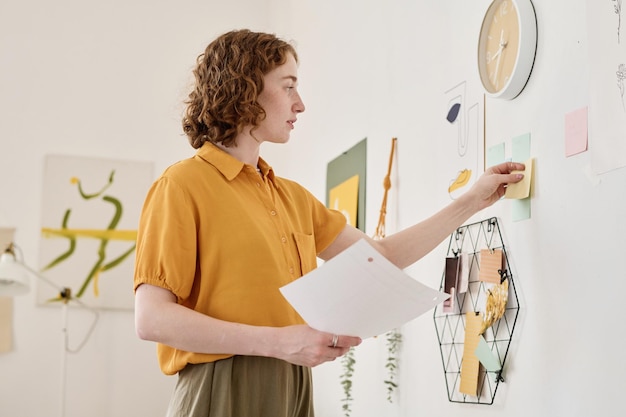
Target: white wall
106, 79
379, 69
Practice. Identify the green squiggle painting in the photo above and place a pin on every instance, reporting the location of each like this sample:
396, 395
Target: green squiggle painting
90, 212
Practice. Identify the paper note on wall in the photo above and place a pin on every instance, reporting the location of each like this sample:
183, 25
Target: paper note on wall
495, 154
451, 282
6, 303
471, 365
486, 357
465, 272
491, 262
6, 324
576, 132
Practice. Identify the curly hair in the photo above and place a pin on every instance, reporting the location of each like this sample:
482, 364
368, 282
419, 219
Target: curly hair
228, 80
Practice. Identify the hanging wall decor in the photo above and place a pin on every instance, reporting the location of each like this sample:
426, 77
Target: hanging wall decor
346, 175
475, 326
393, 338
90, 213
463, 137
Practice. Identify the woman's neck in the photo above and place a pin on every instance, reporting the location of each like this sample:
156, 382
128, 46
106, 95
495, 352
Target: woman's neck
246, 149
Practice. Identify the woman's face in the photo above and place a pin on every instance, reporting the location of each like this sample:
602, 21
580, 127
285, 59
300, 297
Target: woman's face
281, 101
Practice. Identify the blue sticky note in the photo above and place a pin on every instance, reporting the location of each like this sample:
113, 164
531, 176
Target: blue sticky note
520, 148
520, 209
495, 155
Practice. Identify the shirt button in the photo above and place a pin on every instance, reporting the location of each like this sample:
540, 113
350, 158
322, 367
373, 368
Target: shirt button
258, 184
273, 213
283, 239
291, 270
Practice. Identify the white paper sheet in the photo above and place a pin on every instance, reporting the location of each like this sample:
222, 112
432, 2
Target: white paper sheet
607, 86
359, 293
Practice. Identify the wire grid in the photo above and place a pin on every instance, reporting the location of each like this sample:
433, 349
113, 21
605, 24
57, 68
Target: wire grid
471, 239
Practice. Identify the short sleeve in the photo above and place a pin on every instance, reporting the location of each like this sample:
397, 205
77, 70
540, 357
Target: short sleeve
166, 239
328, 223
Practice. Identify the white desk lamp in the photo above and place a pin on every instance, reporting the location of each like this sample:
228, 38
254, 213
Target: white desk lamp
14, 280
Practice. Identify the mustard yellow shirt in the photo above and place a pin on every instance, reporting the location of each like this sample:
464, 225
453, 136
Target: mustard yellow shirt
224, 239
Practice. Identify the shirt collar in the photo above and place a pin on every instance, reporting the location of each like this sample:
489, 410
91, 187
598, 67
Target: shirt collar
228, 165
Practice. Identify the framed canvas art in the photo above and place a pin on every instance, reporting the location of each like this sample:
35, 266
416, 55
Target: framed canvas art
345, 184
90, 214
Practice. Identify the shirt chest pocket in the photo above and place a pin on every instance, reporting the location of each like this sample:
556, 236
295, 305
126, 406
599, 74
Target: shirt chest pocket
306, 251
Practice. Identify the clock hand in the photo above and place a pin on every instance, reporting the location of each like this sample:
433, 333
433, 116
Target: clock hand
495, 74
499, 55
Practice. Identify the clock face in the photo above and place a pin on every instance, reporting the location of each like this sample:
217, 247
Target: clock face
498, 45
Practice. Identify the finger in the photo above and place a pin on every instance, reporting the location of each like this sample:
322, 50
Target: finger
342, 351
513, 166
507, 167
348, 341
517, 166
512, 178
334, 341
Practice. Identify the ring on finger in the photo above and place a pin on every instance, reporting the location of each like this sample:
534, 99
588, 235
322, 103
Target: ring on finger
335, 340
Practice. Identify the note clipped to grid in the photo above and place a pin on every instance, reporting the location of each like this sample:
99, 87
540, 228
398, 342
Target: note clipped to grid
359, 293
486, 357
470, 365
491, 263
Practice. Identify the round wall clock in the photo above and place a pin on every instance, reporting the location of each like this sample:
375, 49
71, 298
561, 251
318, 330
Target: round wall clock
506, 47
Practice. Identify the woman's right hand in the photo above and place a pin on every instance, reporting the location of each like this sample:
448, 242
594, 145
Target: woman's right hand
303, 345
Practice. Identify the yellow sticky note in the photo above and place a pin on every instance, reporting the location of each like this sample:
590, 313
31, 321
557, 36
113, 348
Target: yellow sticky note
521, 190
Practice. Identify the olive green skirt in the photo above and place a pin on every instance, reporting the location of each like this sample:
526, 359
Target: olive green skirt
243, 386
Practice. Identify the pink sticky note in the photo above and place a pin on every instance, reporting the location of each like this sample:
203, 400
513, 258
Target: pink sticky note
576, 132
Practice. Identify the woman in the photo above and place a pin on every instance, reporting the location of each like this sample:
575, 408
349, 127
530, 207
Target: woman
220, 233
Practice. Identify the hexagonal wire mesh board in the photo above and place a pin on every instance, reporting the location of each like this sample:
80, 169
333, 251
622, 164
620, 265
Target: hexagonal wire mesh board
471, 239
